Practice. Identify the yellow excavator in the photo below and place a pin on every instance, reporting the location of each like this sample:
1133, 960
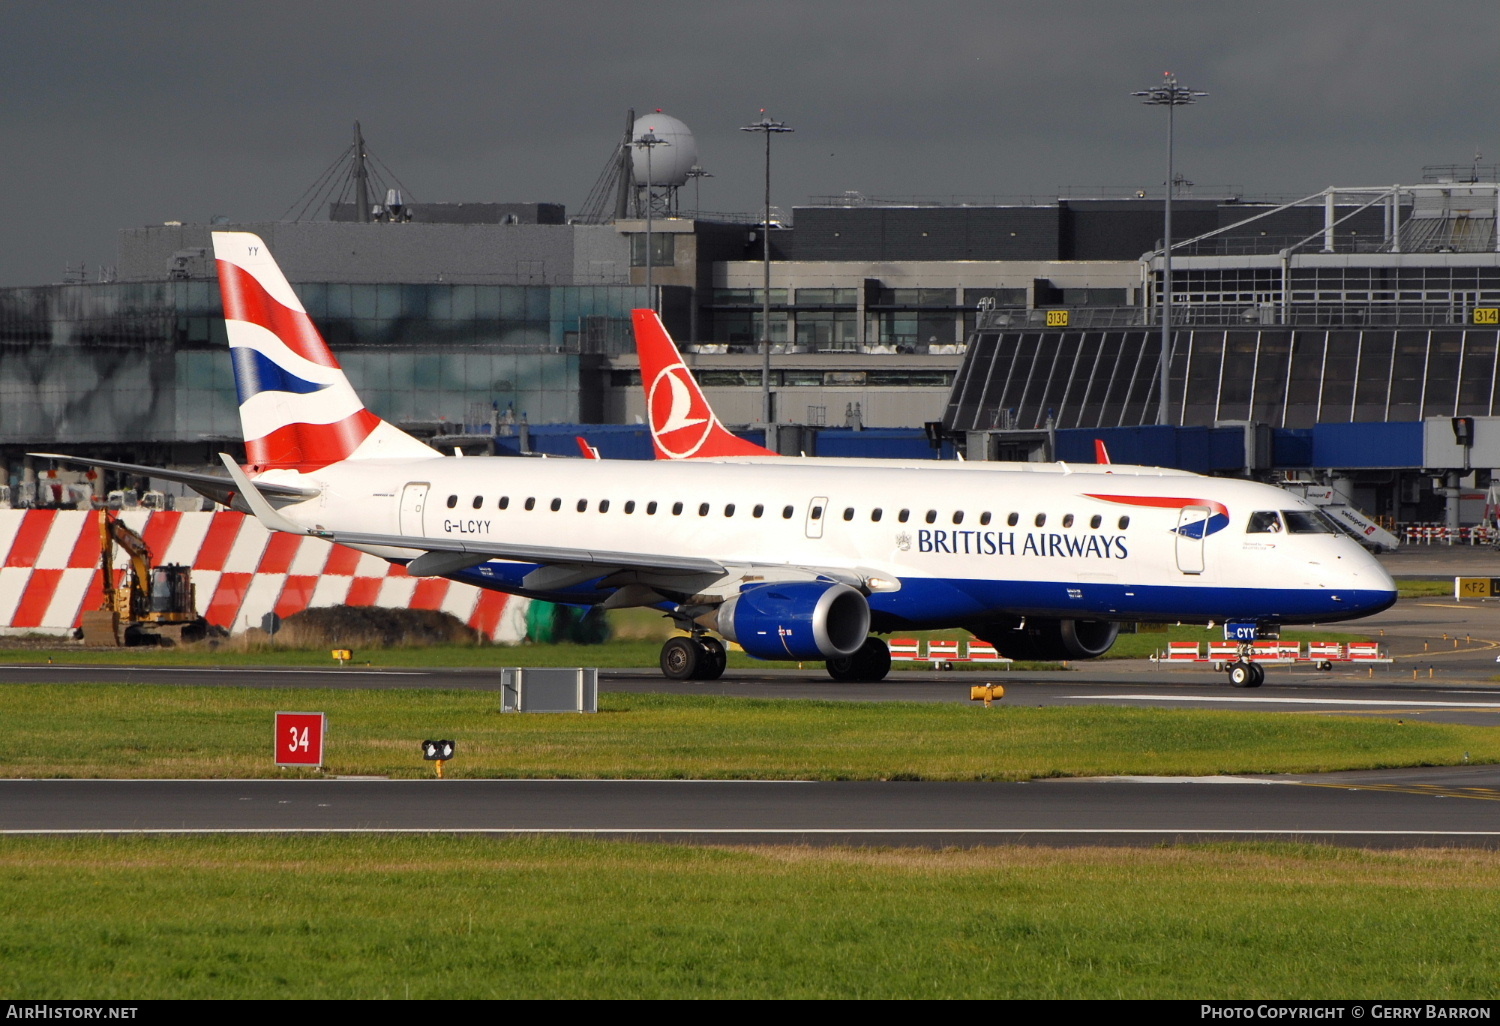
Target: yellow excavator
150, 605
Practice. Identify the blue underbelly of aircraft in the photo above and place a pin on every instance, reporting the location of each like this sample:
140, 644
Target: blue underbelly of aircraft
938, 602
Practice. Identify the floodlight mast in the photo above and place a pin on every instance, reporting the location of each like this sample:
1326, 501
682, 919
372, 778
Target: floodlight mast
648, 141
766, 126
1171, 96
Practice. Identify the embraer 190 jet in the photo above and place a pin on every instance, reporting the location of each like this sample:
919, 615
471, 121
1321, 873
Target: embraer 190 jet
790, 559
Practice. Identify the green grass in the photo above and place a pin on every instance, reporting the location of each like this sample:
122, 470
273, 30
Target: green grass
120, 730
1415, 587
462, 917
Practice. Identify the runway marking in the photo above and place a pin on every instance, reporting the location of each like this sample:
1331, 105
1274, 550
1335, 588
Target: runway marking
1432, 790
1247, 700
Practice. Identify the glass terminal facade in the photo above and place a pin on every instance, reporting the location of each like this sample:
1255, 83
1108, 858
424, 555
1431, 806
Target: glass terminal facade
146, 361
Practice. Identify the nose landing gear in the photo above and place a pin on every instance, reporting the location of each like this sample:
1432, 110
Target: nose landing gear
1246, 675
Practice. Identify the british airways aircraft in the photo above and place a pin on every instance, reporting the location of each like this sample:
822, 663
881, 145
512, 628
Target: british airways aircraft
790, 559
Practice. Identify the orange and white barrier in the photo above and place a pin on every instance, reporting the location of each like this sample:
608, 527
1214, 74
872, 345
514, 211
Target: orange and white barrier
1319, 653
49, 573
941, 653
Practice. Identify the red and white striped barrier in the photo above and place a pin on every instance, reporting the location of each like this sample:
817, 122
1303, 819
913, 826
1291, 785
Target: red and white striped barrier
49, 573
1319, 653
941, 654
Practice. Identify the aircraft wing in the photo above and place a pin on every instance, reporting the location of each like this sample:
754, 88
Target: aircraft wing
219, 489
561, 566
481, 551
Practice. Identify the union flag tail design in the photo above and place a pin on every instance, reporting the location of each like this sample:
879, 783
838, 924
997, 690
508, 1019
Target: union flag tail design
297, 409
683, 425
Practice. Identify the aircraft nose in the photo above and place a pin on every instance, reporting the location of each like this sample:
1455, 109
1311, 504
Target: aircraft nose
1371, 588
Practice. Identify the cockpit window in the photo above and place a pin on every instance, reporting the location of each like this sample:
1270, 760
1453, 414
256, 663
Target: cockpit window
1300, 521
1265, 521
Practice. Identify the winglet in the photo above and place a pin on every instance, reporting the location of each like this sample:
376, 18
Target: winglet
259, 505
1101, 454
590, 452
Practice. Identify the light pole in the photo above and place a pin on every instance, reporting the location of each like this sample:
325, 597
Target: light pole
766, 126
1171, 96
648, 142
697, 174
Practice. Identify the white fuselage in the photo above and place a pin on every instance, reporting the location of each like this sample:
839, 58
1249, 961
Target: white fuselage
962, 545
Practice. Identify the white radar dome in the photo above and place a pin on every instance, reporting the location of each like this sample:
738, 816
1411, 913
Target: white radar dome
670, 163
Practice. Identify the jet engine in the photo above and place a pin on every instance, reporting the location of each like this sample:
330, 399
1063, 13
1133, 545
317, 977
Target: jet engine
796, 620
1049, 640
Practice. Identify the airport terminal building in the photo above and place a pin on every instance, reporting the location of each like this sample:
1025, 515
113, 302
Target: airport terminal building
1013, 325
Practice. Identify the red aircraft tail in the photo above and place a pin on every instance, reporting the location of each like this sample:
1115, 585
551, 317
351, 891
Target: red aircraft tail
683, 425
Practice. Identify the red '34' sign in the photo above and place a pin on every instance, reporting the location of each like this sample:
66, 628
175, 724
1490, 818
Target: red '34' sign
299, 738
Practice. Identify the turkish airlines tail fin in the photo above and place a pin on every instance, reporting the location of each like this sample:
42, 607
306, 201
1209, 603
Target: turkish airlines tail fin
683, 426
297, 409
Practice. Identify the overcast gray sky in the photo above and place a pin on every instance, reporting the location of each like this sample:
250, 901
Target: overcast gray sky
118, 114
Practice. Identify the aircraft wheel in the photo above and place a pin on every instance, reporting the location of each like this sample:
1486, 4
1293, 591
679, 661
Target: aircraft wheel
1258, 675
1241, 674
682, 659
715, 658
869, 663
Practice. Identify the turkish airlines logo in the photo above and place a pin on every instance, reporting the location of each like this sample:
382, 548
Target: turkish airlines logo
680, 418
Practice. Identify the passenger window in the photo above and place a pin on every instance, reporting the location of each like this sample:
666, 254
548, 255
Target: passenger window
583, 505
629, 506
703, 509
1095, 521
758, 511
651, 508
903, 516
603, 505
729, 509
479, 502
1264, 522
677, 509
875, 515
817, 512
958, 517
1013, 519
849, 513
556, 505
931, 517
452, 501
530, 503
505, 502
1041, 520
1124, 523
984, 518
786, 512
1068, 520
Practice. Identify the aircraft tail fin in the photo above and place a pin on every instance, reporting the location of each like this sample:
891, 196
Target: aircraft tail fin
297, 409
683, 425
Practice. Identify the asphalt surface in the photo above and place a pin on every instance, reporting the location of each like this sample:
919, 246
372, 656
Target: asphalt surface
1445, 670
1406, 809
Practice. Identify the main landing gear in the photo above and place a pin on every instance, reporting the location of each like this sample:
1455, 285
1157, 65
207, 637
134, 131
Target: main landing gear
696, 658
868, 664
1244, 674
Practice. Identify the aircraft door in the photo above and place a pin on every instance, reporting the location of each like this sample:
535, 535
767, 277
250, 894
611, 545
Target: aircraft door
1192, 530
413, 501
817, 512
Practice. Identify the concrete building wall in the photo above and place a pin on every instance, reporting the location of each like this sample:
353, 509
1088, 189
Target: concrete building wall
351, 252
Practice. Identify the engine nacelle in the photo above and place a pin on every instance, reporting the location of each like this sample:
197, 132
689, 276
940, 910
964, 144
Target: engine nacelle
1050, 640
796, 620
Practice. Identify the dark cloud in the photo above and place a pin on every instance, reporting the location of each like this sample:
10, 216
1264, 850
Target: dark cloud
123, 114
